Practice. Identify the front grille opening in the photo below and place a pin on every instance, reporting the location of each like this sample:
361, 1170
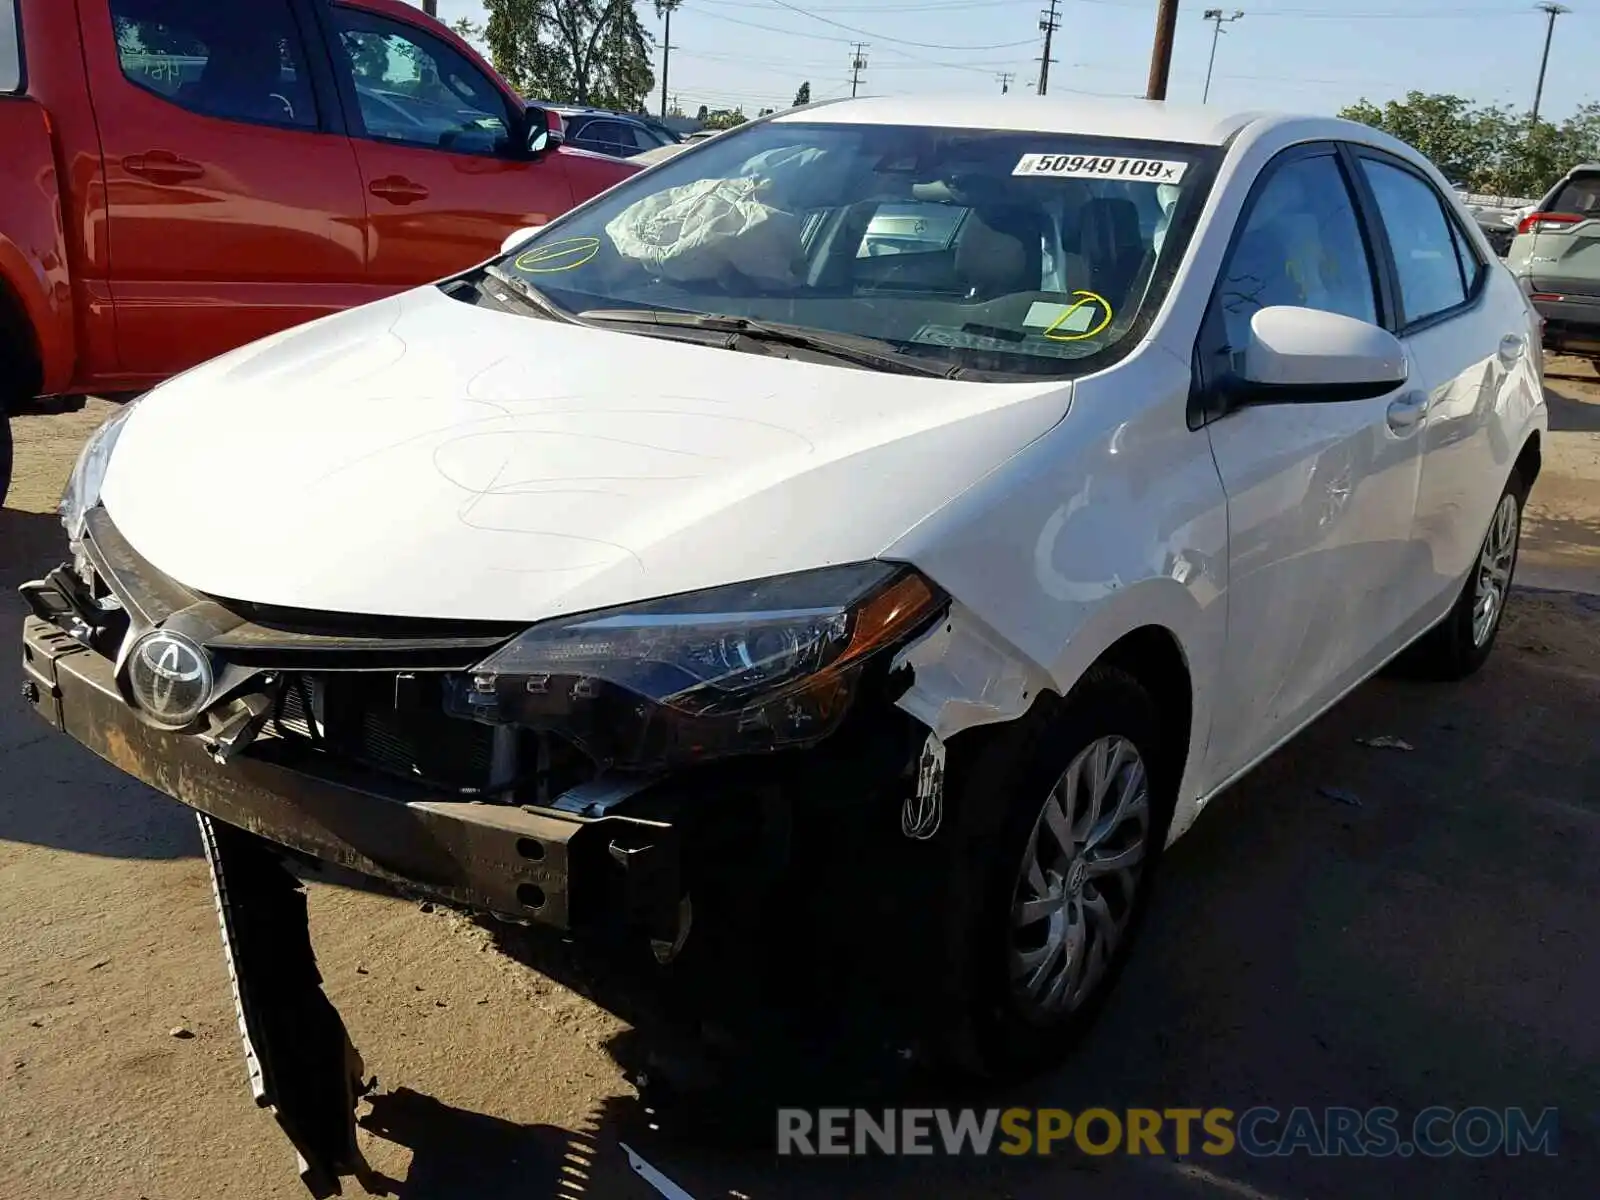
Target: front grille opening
395, 724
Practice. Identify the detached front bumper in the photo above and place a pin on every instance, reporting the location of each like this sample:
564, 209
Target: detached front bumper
521, 863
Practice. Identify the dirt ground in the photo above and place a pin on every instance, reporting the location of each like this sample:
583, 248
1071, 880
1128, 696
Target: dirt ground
1432, 944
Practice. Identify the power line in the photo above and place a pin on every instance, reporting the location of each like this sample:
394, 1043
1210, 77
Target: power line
884, 37
858, 64
1214, 15
1552, 11
1049, 24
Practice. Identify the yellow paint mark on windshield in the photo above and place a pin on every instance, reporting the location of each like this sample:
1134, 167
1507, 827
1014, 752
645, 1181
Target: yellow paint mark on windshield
1087, 298
567, 254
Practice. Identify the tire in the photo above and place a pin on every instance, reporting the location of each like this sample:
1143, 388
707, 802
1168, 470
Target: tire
991, 1025
1460, 644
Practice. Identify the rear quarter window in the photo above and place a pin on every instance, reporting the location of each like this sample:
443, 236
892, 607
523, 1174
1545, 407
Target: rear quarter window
10, 48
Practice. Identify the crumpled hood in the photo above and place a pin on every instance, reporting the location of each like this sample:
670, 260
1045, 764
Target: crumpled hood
422, 457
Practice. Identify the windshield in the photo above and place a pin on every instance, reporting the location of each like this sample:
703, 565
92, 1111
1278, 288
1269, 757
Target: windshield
1015, 253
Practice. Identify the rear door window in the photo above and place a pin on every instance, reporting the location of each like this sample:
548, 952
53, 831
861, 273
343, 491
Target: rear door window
606, 137
10, 48
1425, 247
239, 62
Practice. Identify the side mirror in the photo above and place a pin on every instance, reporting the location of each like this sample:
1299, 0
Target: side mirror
537, 135
1307, 354
517, 236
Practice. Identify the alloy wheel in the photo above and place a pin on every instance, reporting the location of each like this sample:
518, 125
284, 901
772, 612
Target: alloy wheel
1074, 894
1494, 569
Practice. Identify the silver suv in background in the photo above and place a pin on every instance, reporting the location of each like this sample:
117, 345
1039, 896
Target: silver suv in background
1556, 259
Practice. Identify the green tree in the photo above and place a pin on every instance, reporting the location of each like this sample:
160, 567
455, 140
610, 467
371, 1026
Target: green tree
514, 34
703, 115
579, 51
1493, 149
468, 31
803, 96
725, 118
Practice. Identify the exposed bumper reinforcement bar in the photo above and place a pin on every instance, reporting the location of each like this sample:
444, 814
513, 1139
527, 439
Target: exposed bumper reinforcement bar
524, 864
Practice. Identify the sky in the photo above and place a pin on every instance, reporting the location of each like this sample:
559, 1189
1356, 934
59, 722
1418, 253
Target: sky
1299, 55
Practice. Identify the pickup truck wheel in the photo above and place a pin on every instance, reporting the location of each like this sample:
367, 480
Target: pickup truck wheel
1077, 796
1460, 644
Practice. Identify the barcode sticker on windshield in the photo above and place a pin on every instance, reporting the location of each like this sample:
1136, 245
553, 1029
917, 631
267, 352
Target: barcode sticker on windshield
1092, 166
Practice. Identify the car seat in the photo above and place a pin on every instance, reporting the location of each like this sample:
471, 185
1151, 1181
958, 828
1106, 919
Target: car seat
1110, 246
242, 79
1000, 252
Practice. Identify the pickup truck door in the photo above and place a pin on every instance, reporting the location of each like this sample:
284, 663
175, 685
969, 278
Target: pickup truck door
1321, 494
437, 143
233, 200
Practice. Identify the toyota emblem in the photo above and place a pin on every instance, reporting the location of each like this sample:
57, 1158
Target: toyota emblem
170, 677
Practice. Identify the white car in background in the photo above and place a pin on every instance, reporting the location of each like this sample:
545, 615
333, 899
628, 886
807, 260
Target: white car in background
1005, 550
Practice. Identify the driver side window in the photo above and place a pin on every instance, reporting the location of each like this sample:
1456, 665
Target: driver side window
414, 89
1299, 244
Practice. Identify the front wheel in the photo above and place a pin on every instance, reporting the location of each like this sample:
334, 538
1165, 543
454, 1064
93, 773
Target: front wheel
1058, 827
1460, 644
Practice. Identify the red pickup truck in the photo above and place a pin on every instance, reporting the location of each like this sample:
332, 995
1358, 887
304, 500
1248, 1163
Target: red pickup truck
179, 177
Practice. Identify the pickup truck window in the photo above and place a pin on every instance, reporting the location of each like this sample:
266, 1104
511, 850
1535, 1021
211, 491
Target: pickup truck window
415, 89
240, 62
10, 48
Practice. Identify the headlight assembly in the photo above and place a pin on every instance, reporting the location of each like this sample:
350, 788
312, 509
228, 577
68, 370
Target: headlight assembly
89, 472
734, 670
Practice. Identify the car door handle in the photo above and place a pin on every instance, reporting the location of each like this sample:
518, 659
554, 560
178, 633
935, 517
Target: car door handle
1511, 347
397, 189
162, 166
1406, 412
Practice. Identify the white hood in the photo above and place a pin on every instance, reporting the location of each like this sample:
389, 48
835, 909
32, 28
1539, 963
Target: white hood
422, 457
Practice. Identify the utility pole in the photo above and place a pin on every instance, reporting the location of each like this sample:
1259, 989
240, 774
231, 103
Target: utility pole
1161, 50
1005, 78
1214, 15
1049, 24
431, 7
1552, 11
666, 49
858, 64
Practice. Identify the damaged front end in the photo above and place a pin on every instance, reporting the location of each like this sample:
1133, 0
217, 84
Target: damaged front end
604, 771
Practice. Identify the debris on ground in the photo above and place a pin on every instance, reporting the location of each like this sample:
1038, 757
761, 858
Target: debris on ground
98, 963
182, 1031
1385, 741
1342, 796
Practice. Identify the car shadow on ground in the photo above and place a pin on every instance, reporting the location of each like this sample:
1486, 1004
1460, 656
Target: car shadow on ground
456, 1153
1570, 414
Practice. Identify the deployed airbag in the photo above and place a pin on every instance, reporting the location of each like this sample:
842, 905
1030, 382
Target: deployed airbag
748, 223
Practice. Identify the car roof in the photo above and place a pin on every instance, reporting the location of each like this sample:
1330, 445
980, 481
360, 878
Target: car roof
579, 111
1154, 120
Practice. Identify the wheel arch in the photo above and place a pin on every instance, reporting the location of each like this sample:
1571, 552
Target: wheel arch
19, 344
1529, 461
1154, 657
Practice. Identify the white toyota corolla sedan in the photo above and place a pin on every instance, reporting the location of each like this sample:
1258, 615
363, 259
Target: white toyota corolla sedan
998, 482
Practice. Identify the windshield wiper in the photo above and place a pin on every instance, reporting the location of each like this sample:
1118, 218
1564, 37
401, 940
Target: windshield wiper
534, 297
861, 351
